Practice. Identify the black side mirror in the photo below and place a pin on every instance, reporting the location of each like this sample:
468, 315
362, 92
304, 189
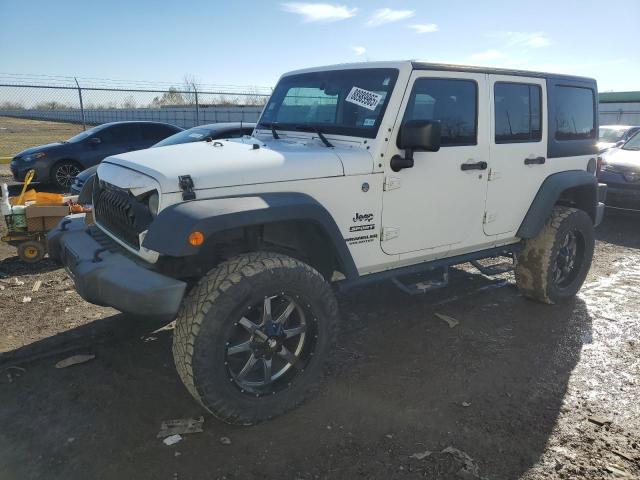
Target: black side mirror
416, 136
95, 141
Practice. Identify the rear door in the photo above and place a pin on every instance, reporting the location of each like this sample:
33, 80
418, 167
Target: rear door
121, 138
518, 146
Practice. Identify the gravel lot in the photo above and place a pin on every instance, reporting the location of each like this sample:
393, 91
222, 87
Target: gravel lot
513, 386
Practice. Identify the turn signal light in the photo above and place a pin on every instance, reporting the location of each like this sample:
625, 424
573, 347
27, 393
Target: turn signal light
196, 238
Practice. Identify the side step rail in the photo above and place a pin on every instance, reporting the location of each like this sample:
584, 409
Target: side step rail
438, 278
496, 268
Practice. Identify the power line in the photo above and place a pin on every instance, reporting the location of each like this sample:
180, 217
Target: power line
95, 82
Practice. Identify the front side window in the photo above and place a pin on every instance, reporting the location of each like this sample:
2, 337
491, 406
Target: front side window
575, 113
342, 102
517, 111
91, 132
452, 102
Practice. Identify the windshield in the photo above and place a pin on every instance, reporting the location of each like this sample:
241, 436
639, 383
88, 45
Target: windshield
342, 102
633, 143
85, 134
610, 135
187, 136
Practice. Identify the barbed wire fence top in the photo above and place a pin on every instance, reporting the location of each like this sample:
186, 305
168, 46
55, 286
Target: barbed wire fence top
91, 101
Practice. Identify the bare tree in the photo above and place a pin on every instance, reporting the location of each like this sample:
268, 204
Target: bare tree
255, 98
9, 105
53, 105
170, 98
129, 102
190, 85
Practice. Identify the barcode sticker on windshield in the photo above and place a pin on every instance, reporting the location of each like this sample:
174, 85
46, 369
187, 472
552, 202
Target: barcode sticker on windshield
364, 98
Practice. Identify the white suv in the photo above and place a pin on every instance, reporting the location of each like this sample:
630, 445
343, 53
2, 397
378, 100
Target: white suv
354, 174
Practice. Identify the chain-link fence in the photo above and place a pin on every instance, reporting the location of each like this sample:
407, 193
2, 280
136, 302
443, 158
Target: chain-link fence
91, 101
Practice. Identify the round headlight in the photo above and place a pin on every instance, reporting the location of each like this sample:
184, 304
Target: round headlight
153, 203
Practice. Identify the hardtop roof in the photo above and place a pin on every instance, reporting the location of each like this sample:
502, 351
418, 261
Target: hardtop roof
422, 65
417, 65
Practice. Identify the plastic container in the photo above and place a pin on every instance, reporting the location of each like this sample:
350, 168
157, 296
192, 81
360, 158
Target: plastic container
18, 217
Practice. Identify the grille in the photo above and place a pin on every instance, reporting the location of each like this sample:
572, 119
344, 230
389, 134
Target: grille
613, 168
121, 213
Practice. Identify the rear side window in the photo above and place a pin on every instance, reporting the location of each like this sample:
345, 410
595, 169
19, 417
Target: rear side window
575, 113
121, 133
156, 133
452, 102
517, 111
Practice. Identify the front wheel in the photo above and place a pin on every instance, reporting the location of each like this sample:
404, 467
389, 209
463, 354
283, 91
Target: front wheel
253, 336
553, 266
63, 174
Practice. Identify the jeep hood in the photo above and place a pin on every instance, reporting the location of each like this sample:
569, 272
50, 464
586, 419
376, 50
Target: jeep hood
227, 163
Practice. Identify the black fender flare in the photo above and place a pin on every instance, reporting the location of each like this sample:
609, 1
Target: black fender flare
169, 231
551, 191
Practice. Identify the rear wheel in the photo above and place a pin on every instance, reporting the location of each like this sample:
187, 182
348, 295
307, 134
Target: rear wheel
252, 338
63, 173
553, 266
31, 251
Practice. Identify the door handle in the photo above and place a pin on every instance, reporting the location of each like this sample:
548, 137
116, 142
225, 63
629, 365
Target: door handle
474, 166
534, 161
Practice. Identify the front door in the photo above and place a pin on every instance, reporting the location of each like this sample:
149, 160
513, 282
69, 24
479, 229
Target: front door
440, 201
518, 151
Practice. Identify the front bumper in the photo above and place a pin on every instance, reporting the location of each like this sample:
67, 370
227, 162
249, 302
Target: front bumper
621, 193
20, 168
103, 274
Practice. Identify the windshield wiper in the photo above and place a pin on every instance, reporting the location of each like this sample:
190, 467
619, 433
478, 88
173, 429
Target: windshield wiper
313, 128
272, 126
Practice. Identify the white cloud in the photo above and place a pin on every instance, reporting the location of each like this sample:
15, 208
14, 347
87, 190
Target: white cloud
387, 15
524, 39
424, 27
359, 50
488, 55
319, 12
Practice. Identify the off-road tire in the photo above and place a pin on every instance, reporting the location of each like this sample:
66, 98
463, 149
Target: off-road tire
535, 263
211, 309
31, 251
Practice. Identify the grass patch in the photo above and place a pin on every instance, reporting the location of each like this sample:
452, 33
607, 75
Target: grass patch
16, 134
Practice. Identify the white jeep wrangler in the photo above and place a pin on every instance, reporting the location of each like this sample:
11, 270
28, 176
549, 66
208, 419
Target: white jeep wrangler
354, 174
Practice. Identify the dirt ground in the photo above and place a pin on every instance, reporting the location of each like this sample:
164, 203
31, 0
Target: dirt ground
513, 386
17, 134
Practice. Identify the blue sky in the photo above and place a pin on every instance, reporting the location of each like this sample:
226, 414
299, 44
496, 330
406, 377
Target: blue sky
253, 42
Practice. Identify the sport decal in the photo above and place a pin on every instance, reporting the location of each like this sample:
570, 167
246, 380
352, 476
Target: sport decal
364, 220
